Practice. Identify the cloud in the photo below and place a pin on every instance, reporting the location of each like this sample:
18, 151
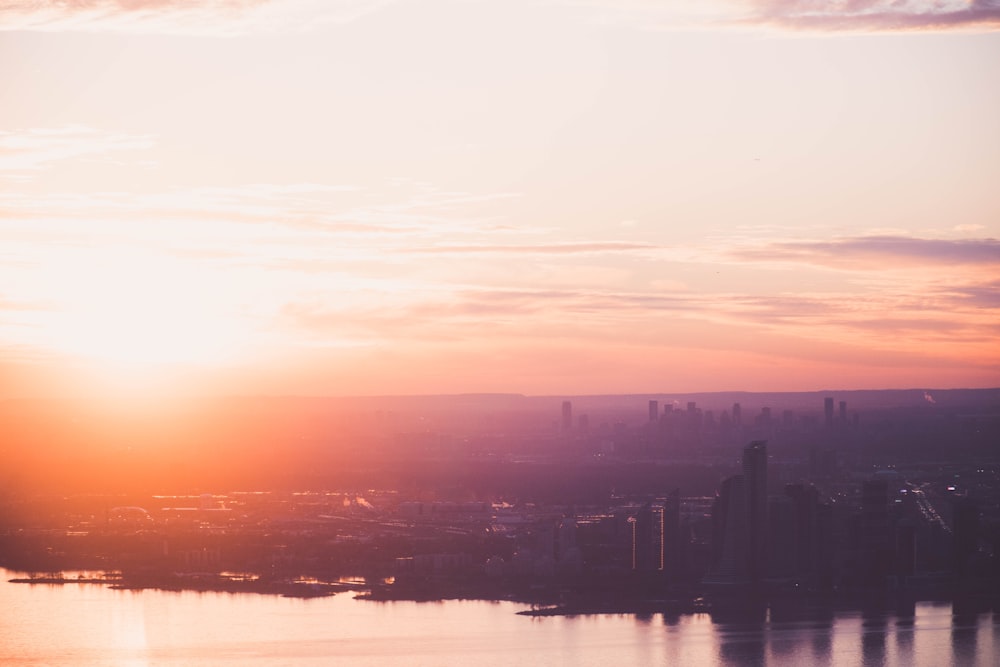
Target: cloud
985, 295
877, 15
238, 17
874, 330
812, 15
878, 252
193, 17
25, 152
534, 249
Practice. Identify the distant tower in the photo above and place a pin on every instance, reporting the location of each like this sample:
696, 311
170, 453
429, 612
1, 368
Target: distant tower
755, 485
567, 416
828, 410
737, 414
654, 411
843, 412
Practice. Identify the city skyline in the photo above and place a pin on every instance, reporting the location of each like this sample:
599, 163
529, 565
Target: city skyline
288, 197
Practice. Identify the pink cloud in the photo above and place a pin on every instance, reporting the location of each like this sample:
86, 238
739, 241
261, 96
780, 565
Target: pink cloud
878, 252
202, 17
877, 15
535, 249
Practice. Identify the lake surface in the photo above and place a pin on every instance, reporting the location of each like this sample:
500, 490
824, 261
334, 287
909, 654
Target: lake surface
91, 625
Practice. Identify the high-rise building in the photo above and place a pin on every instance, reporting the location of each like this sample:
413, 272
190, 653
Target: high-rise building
654, 411
646, 548
808, 538
673, 546
729, 532
965, 533
737, 414
843, 412
739, 522
876, 540
755, 485
567, 416
828, 410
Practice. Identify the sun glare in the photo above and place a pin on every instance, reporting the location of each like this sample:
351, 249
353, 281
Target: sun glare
138, 313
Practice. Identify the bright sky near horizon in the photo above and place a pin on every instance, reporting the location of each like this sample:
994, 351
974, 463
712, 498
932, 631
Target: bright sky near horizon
537, 196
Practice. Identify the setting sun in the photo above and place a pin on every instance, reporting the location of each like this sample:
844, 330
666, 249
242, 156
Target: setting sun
134, 311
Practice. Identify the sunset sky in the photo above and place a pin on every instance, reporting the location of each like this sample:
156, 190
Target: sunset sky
339, 197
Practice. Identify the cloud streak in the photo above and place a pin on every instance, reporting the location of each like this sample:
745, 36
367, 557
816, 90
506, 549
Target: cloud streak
877, 15
25, 152
534, 249
801, 15
878, 252
194, 17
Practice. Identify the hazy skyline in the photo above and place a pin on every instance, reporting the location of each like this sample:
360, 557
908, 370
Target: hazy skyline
376, 197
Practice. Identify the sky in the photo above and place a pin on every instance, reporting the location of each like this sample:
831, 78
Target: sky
357, 197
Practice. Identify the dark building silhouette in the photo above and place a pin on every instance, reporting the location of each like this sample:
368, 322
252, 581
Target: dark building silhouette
965, 534
782, 535
874, 535
674, 557
906, 550
654, 411
739, 521
828, 411
737, 414
755, 481
843, 412
729, 532
808, 539
648, 538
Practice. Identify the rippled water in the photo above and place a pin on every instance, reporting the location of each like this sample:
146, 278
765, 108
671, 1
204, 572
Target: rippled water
91, 625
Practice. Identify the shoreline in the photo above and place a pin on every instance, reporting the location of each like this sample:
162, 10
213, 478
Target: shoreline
201, 583
547, 601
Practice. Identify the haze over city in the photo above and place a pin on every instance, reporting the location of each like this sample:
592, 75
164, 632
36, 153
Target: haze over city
364, 197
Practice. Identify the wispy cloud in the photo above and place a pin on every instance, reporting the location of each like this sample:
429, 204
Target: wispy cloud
195, 17
534, 249
237, 17
811, 15
877, 15
878, 252
25, 152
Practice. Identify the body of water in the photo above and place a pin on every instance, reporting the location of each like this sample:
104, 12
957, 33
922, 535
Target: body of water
90, 625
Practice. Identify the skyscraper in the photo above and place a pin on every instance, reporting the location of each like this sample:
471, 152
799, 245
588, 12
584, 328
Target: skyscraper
654, 411
739, 521
828, 410
755, 485
729, 532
